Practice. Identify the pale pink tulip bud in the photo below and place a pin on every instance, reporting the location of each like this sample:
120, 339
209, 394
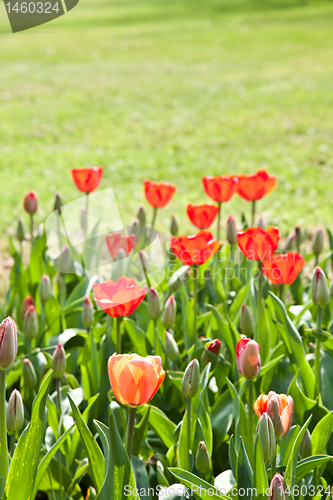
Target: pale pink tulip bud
320, 290
248, 358
231, 230
154, 306
87, 313
29, 374
59, 361
318, 241
28, 301
45, 288
14, 412
30, 323
169, 313
8, 343
246, 321
30, 202
277, 489
290, 243
171, 347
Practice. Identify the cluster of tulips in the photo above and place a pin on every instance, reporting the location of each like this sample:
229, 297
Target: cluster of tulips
135, 379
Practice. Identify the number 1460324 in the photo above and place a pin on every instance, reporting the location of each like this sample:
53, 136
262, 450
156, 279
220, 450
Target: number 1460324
32, 7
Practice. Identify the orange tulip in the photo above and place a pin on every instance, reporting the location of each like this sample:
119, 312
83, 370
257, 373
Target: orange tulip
158, 194
87, 179
135, 380
116, 241
196, 249
120, 298
257, 244
280, 408
202, 216
255, 186
283, 269
220, 188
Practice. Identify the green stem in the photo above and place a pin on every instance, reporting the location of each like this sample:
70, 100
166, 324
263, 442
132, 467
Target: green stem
219, 215
58, 389
119, 335
155, 335
189, 430
260, 303
195, 296
273, 468
281, 290
154, 218
12, 444
87, 206
232, 253
253, 212
31, 230
3, 429
144, 267
317, 353
130, 431
316, 260
251, 446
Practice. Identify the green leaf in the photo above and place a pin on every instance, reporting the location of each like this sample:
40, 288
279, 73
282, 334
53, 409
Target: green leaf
291, 469
244, 470
260, 479
162, 426
76, 434
241, 417
303, 406
309, 464
95, 455
23, 468
201, 488
224, 332
222, 415
140, 430
321, 434
137, 336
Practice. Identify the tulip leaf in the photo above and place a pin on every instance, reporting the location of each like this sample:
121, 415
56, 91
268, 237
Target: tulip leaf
222, 415
23, 469
201, 488
224, 332
241, 417
137, 336
286, 445
260, 479
239, 300
139, 431
303, 406
291, 469
162, 426
309, 464
95, 455
321, 434
244, 470
233, 457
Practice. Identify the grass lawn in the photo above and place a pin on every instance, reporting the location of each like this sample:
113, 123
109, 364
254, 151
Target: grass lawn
171, 91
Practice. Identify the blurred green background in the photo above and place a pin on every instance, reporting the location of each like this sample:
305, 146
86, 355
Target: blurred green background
171, 90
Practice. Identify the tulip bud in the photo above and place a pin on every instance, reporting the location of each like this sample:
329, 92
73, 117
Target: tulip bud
191, 379
202, 459
59, 361
277, 489
28, 301
87, 313
169, 313
306, 446
135, 224
246, 321
213, 347
65, 261
29, 374
15, 412
261, 223
30, 202
299, 236
174, 228
248, 358
171, 347
30, 323
91, 494
141, 215
265, 429
45, 288
8, 343
154, 306
57, 202
83, 218
231, 230
20, 231
181, 274
320, 291
318, 241
290, 243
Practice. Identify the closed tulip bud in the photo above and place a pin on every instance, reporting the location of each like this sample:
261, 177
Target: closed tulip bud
174, 228
83, 218
181, 275
57, 202
171, 347
191, 379
246, 321
29, 301
30, 202
30, 323
306, 446
277, 489
141, 215
248, 358
154, 306
45, 288
318, 241
15, 412
87, 313
20, 231
59, 361
320, 291
135, 224
261, 223
299, 236
169, 312
231, 230
290, 243
8, 343
202, 460
213, 347
65, 261
29, 374
265, 429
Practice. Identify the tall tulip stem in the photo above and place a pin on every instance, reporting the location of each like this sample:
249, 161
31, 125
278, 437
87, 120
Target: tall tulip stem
195, 297
3, 429
118, 335
155, 336
58, 389
260, 303
189, 430
253, 213
87, 206
12, 444
130, 431
154, 218
317, 353
219, 215
251, 447
31, 230
273, 468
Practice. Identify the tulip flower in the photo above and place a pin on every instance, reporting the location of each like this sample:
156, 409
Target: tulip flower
28, 301
134, 381
30, 202
59, 361
221, 189
15, 412
320, 298
87, 313
20, 231
202, 460
214, 347
119, 299
202, 216
231, 230
8, 343
30, 324
283, 269
246, 321
29, 374
265, 430
64, 261
117, 241
171, 347
190, 387
169, 312
57, 202
174, 229
299, 238
158, 195
318, 243
277, 489
280, 408
253, 187
45, 289
141, 215
305, 450
87, 179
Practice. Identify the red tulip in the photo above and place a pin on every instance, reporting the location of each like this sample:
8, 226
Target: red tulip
87, 179
202, 216
280, 408
283, 268
214, 346
220, 188
158, 194
257, 244
116, 241
28, 301
255, 186
248, 358
30, 202
196, 249
120, 298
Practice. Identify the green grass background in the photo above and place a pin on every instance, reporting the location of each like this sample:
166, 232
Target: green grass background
171, 90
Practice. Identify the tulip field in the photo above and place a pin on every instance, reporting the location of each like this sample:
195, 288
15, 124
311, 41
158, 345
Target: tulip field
142, 365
